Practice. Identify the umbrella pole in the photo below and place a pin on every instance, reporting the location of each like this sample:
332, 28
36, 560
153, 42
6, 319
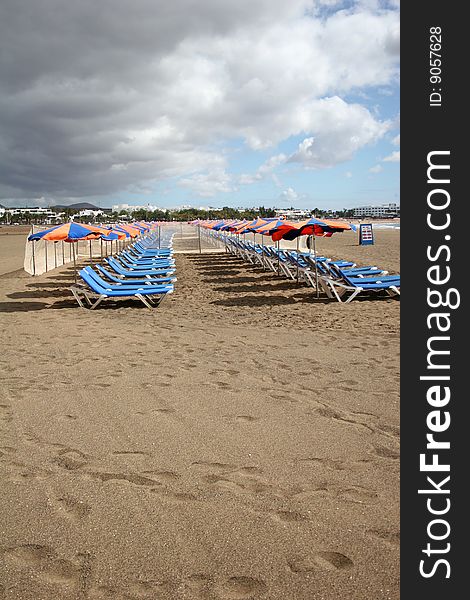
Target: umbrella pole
63, 253
45, 250
199, 238
316, 266
254, 240
74, 263
91, 254
101, 249
278, 258
34, 260
55, 255
33, 257
159, 235
297, 260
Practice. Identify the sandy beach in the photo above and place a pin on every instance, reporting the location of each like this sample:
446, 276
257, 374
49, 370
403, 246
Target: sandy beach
240, 442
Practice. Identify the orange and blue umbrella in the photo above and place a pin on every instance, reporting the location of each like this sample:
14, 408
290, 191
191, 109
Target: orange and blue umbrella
68, 232
130, 229
313, 226
270, 227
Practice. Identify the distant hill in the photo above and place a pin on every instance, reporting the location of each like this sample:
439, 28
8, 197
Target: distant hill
78, 206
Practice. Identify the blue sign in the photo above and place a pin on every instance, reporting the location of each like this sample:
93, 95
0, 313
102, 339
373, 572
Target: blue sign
366, 235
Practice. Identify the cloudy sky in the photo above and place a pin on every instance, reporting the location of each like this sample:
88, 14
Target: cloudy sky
202, 102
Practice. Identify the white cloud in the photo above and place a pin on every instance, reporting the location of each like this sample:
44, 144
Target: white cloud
208, 185
348, 174
393, 157
289, 195
340, 130
265, 169
151, 90
276, 180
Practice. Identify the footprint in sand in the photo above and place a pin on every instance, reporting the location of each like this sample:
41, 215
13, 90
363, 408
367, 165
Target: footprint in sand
198, 585
385, 452
221, 385
67, 418
6, 414
330, 413
73, 508
7, 451
239, 588
147, 589
248, 470
161, 411
357, 495
163, 476
391, 538
288, 516
245, 418
245, 486
35, 440
283, 396
133, 478
46, 563
330, 561
19, 472
213, 466
71, 459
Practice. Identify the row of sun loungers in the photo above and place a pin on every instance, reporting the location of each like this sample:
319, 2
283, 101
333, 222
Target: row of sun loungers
141, 271
341, 280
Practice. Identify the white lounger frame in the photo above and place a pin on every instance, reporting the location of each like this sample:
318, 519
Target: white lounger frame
337, 289
89, 297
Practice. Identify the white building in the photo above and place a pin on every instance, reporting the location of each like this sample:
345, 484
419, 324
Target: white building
88, 213
382, 211
36, 213
131, 208
293, 214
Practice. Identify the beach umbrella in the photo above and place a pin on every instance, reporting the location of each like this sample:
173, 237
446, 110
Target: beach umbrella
69, 232
289, 230
252, 227
113, 234
233, 225
130, 229
269, 229
311, 227
216, 225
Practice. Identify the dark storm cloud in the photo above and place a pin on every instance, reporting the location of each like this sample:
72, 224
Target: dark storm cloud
99, 96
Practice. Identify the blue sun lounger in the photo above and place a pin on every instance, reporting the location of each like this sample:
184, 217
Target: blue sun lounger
130, 280
151, 265
337, 288
138, 249
150, 296
145, 260
118, 268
